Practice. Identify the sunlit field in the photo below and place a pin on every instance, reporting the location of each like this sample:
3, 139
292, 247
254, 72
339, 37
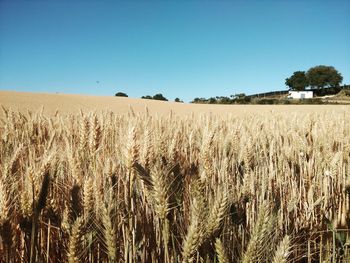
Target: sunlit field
136, 187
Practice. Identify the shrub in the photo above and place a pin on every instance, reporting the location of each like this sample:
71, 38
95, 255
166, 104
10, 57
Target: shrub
121, 94
158, 96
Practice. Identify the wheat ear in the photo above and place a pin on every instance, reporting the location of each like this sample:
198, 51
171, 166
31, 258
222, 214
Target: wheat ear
218, 211
258, 242
195, 232
282, 251
75, 241
109, 235
220, 252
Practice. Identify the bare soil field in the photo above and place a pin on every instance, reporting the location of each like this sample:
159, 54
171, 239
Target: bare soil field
71, 104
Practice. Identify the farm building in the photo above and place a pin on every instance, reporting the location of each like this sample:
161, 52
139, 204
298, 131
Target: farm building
300, 94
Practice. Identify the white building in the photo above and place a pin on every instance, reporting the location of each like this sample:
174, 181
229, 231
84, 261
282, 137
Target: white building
300, 94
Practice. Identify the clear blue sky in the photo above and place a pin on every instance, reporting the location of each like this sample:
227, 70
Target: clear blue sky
181, 49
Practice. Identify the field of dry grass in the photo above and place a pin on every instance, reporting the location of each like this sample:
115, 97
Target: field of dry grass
72, 104
261, 184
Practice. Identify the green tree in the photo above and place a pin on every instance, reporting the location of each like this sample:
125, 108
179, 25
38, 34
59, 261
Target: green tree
223, 100
155, 97
121, 94
159, 96
199, 100
178, 100
240, 98
212, 100
323, 76
297, 81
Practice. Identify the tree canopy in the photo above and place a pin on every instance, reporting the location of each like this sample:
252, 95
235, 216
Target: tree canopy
121, 94
323, 76
297, 81
148, 97
316, 77
158, 96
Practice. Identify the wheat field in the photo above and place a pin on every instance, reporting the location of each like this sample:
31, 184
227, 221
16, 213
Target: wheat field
135, 187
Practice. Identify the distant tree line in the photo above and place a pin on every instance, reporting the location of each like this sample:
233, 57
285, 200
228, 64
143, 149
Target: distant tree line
318, 77
158, 96
240, 98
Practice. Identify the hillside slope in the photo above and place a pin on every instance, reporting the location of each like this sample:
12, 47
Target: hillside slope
68, 103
